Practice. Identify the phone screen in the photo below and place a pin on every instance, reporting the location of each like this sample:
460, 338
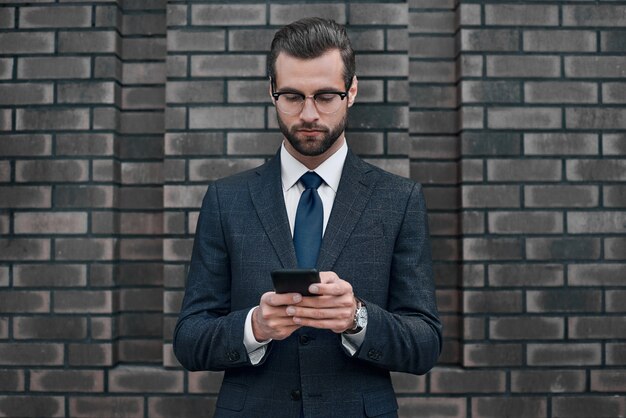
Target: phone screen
295, 280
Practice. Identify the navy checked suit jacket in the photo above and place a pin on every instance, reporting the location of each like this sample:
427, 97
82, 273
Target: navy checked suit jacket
376, 238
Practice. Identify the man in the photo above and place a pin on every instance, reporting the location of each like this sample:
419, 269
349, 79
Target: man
288, 355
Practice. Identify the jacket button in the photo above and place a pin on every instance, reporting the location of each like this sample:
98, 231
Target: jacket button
374, 354
232, 355
304, 339
296, 395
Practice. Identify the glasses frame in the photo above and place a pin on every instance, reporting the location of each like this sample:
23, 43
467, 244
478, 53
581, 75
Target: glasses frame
276, 95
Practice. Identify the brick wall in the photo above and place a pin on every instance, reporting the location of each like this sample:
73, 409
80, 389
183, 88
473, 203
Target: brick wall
115, 114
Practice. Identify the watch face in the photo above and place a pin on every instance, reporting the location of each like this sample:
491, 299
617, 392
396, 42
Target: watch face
361, 318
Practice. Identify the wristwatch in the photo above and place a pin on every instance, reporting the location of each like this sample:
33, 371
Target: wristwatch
360, 317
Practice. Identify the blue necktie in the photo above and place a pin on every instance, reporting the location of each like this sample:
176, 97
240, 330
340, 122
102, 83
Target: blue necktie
307, 232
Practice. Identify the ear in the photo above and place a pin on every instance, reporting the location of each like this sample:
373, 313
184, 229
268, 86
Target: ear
354, 88
269, 89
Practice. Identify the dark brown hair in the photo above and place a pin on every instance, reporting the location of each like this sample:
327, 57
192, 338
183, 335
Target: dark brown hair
310, 38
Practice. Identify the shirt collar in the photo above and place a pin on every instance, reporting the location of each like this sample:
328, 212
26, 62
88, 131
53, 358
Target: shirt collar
330, 170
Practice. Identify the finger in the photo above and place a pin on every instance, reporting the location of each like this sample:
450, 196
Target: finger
332, 324
312, 313
328, 277
280, 299
335, 288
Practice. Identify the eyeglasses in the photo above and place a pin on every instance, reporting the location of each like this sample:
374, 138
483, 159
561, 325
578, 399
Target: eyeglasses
292, 103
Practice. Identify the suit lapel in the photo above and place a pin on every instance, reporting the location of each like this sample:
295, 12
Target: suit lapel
267, 196
353, 193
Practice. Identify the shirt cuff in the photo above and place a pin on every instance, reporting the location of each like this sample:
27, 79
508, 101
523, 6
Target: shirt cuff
352, 342
256, 350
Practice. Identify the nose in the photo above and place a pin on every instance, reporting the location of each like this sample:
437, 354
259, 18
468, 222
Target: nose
309, 111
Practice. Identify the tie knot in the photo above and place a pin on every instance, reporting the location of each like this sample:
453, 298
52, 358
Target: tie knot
311, 180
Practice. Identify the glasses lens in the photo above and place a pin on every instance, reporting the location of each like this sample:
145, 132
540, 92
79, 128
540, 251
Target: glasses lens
328, 102
290, 104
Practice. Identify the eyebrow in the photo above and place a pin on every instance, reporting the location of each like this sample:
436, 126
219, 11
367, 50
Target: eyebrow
321, 90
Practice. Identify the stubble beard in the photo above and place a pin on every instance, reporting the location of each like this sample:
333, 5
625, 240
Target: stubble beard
312, 146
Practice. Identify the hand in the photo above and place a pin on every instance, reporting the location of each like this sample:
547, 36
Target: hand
333, 309
270, 319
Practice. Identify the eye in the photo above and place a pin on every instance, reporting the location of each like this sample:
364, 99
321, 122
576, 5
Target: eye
291, 97
325, 97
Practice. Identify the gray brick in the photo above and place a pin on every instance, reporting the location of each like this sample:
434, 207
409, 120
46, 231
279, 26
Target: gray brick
50, 223
89, 41
524, 117
54, 17
364, 39
7, 18
433, 147
521, 15
523, 66
564, 300
493, 301
143, 24
470, 65
217, 117
52, 170
595, 67
492, 249
228, 65
212, 169
596, 222
560, 144
140, 122
596, 274
25, 93
12, 380
526, 328
596, 170
457, 381
27, 42
523, 275
560, 92
6, 68
613, 41
183, 196
490, 91
524, 170
31, 354
565, 196
143, 73
538, 381
94, 406
378, 117
257, 40
176, 65
32, 406
596, 15
253, 143
432, 22
5, 119
470, 14
143, 97
432, 72
496, 196
525, 222
228, 15
398, 40
195, 40
67, 381
194, 91
25, 145
562, 248
614, 196
52, 119
615, 249
25, 197
435, 172
108, 67
490, 143
432, 122
49, 275
143, 48
563, 355
53, 67
283, 14
388, 65
594, 327
432, 4
489, 40
48, 327
614, 92
584, 406
84, 301
14, 249
472, 117
84, 144
433, 96
614, 144
560, 41
175, 118
616, 298
431, 47
108, 16
177, 14
378, 14
514, 407
193, 144
182, 406
87, 92
22, 301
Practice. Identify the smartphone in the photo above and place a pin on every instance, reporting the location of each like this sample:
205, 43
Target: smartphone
295, 280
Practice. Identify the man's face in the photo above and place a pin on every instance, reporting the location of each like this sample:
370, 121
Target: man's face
311, 132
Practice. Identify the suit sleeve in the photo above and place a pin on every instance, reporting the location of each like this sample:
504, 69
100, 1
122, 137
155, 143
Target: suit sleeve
406, 336
208, 336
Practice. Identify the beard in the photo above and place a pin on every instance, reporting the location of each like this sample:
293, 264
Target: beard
312, 146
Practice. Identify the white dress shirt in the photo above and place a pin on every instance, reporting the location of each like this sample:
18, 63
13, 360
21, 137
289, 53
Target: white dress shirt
290, 172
